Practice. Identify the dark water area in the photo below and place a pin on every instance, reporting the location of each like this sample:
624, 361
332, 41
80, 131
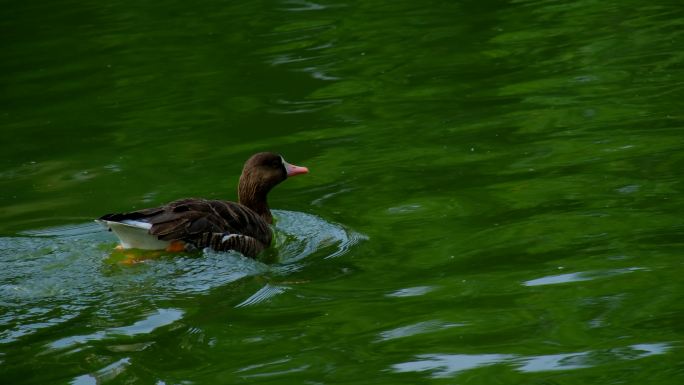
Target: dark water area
495, 194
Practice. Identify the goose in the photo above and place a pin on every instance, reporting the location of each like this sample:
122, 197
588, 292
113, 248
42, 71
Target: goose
194, 223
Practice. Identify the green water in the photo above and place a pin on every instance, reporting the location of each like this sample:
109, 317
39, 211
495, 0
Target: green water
494, 196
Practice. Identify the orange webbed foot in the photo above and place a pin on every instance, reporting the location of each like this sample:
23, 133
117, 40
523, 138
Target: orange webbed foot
176, 246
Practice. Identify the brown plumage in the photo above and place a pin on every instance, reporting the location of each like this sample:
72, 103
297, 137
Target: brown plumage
220, 225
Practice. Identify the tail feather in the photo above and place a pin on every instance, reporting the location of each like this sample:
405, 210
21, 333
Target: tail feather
134, 235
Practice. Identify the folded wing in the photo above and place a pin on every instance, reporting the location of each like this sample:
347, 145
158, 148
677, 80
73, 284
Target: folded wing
204, 223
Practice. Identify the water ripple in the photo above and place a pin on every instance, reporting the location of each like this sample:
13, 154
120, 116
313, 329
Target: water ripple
103, 375
449, 365
263, 294
414, 329
54, 276
579, 276
411, 291
161, 317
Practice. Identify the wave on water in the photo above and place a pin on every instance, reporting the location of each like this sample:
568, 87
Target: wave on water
52, 276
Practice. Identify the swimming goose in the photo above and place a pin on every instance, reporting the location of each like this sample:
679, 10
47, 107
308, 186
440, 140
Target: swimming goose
190, 224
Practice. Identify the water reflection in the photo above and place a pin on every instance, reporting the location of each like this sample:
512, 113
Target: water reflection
448, 365
555, 362
272, 368
579, 276
302, 5
417, 328
478, 144
160, 318
103, 375
304, 106
411, 291
580, 360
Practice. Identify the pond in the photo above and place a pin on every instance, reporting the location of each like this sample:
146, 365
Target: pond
494, 196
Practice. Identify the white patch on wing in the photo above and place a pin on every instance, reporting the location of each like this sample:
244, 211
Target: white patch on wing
140, 224
227, 237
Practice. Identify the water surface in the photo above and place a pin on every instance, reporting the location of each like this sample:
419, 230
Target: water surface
494, 196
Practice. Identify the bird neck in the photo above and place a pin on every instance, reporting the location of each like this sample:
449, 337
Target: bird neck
250, 195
